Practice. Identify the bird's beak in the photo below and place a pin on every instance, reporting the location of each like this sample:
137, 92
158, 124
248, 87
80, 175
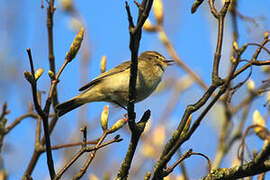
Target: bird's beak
169, 62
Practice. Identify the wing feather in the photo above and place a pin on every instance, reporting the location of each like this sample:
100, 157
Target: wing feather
120, 68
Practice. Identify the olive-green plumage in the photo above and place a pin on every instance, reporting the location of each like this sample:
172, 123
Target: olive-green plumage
112, 86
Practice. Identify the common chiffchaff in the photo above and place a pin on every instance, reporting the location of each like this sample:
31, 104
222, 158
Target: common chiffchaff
112, 86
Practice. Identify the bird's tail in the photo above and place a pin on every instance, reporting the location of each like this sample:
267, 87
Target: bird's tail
67, 106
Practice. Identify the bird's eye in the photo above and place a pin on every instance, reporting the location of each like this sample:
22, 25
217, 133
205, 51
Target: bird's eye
156, 57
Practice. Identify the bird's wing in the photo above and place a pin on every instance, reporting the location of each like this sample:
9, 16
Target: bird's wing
120, 68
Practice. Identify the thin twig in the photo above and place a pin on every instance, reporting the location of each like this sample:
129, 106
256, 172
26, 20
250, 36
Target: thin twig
38, 132
222, 147
18, 120
50, 20
175, 142
170, 169
225, 147
84, 130
240, 151
38, 151
256, 63
179, 61
213, 8
61, 146
81, 151
208, 161
196, 5
45, 112
44, 117
220, 16
183, 168
261, 47
91, 157
249, 98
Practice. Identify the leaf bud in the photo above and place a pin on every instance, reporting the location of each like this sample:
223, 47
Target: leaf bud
119, 124
103, 62
28, 76
104, 117
158, 11
38, 73
75, 46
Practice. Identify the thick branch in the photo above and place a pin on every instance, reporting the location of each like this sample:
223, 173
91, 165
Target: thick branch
125, 166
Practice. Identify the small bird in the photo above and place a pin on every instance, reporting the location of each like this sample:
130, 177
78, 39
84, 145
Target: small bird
113, 86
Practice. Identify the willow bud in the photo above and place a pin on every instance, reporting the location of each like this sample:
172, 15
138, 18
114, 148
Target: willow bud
159, 135
259, 120
158, 11
251, 85
103, 62
75, 46
266, 35
163, 37
28, 76
104, 117
235, 46
119, 124
38, 73
187, 125
243, 48
51, 74
67, 5
233, 60
266, 69
147, 26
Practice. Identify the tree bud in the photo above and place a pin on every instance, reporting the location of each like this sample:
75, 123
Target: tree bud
38, 73
75, 46
104, 117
